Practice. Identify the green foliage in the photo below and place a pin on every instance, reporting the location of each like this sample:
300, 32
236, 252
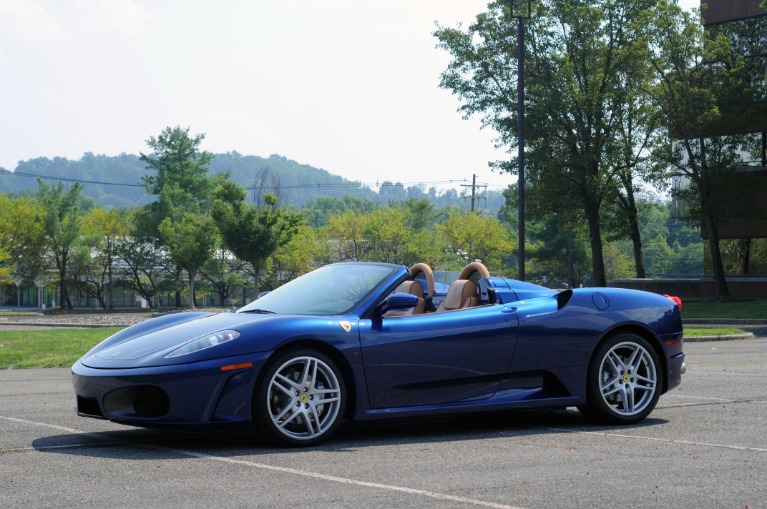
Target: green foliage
181, 170
468, 237
54, 348
550, 240
253, 234
318, 212
22, 239
742, 308
702, 82
62, 221
192, 242
587, 122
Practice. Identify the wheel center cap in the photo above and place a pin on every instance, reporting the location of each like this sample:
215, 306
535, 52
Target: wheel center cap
303, 398
626, 379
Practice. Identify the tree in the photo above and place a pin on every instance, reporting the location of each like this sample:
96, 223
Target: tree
318, 212
582, 67
557, 252
22, 239
346, 232
468, 237
253, 234
700, 83
95, 259
63, 216
178, 176
192, 242
304, 252
181, 172
223, 272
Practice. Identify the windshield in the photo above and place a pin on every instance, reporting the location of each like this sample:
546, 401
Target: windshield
330, 290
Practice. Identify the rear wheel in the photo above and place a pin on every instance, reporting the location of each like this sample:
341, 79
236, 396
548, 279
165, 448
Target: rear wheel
624, 381
300, 399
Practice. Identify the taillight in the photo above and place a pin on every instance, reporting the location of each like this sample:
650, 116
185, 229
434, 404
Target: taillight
676, 300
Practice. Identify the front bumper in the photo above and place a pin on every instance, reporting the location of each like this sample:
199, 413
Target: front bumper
193, 396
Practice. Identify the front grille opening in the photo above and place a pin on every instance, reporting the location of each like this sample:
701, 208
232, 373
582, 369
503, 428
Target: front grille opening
88, 407
151, 402
146, 401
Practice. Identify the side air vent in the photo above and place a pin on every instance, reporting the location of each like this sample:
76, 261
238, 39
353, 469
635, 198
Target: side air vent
563, 298
88, 407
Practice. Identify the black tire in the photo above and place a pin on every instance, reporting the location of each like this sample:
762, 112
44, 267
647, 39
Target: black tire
300, 398
624, 381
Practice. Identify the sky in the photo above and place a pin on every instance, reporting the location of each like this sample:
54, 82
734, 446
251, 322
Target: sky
349, 86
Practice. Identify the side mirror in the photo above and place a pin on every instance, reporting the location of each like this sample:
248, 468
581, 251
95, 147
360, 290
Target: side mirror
395, 302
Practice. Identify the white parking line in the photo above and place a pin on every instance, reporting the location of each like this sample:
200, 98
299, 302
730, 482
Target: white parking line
724, 373
656, 439
698, 397
285, 470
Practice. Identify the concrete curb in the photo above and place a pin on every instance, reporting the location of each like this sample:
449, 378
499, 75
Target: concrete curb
723, 337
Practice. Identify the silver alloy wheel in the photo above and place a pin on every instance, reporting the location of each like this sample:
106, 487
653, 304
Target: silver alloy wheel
627, 378
303, 398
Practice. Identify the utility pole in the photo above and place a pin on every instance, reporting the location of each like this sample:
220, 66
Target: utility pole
474, 187
521, 17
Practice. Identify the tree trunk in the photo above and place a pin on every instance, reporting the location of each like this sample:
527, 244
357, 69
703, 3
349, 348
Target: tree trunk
707, 206
64, 301
256, 278
595, 239
720, 283
192, 274
179, 303
636, 239
744, 256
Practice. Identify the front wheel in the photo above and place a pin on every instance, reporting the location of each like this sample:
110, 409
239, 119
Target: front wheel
300, 399
624, 381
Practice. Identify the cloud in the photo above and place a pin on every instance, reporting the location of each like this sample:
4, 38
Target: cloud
28, 20
124, 16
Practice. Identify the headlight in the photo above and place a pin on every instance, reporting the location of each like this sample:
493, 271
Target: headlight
204, 342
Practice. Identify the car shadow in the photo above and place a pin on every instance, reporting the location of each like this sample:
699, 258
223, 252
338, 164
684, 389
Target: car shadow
144, 444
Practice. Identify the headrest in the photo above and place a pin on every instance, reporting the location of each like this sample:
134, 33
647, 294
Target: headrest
411, 287
459, 291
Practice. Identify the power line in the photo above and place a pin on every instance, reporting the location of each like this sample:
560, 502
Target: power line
295, 186
65, 179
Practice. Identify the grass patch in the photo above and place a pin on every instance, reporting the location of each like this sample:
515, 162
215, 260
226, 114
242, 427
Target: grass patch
738, 309
6, 312
696, 332
50, 348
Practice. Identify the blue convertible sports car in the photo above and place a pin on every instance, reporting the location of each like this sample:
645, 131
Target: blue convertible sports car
363, 341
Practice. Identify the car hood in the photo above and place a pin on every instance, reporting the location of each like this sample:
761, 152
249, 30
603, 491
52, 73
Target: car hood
148, 343
171, 337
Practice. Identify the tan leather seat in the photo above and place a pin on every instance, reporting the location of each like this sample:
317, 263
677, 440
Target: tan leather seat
462, 294
413, 288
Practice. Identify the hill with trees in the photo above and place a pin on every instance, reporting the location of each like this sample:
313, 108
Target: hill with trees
115, 181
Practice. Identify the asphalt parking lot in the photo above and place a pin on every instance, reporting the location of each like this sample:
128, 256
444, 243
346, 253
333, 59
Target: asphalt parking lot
704, 446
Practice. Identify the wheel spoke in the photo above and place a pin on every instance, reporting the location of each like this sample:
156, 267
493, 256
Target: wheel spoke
636, 358
305, 373
287, 409
287, 421
285, 380
314, 365
631, 400
649, 382
606, 391
325, 391
284, 389
315, 418
613, 357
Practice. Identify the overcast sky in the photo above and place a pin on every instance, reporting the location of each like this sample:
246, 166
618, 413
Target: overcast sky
350, 86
